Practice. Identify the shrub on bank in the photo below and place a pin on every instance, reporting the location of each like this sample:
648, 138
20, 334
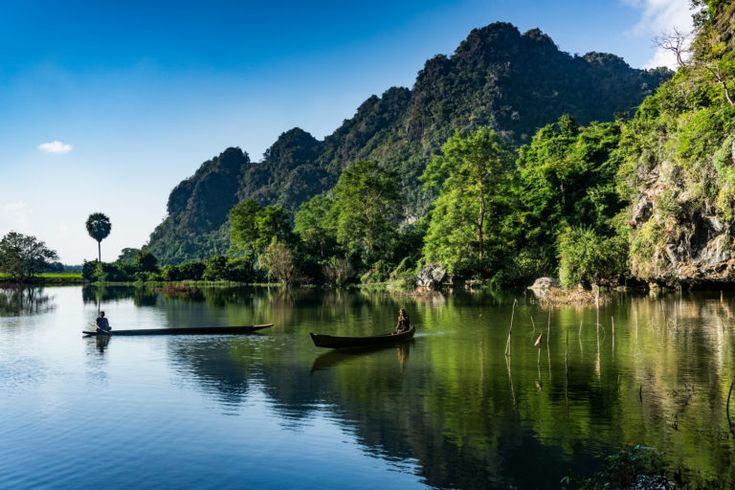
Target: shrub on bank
587, 257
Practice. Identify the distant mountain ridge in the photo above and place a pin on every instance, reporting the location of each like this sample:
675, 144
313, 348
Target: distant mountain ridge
496, 77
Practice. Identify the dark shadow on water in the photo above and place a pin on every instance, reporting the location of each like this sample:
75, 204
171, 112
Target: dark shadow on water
20, 301
98, 294
102, 341
336, 357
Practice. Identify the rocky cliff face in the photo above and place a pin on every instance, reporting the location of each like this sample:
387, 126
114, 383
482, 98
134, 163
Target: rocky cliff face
680, 165
693, 246
497, 77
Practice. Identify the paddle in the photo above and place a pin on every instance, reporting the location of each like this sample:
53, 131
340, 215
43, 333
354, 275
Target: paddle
94, 328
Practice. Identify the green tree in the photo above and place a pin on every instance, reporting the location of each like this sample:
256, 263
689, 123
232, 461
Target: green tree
565, 177
145, 261
464, 232
98, 227
252, 227
23, 256
128, 254
279, 262
367, 210
587, 257
315, 226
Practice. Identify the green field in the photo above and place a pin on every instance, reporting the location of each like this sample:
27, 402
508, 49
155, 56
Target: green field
52, 278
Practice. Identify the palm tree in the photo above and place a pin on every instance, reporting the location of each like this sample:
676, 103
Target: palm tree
98, 227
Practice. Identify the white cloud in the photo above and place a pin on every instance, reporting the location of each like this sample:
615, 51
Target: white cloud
659, 17
55, 146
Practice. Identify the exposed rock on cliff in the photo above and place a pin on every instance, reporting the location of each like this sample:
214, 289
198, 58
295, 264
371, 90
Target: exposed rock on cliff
679, 169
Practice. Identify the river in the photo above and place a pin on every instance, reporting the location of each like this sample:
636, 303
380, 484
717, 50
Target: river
447, 410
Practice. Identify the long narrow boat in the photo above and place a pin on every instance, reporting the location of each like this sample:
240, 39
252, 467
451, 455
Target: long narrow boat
183, 331
331, 342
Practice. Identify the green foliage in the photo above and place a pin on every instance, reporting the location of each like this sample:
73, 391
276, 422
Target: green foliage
366, 210
464, 229
24, 256
315, 226
99, 227
586, 257
252, 227
634, 467
112, 272
145, 261
128, 254
404, 275
498, 77
240, 269
677, 171
132, 265
89, 269
187, 271
278, 260
566, 177
338, 271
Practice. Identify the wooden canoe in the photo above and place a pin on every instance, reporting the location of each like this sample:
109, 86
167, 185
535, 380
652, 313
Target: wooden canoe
183, 331
330, 342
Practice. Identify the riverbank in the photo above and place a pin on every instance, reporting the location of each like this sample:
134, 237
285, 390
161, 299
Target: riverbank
56, 278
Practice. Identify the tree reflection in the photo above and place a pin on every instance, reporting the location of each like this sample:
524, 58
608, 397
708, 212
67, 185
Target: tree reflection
17, 301
470, 416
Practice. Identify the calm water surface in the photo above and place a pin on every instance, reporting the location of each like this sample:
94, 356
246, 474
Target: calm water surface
271, 410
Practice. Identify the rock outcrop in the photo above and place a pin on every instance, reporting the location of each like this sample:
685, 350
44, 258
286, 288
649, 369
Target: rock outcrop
431, 277
679, 155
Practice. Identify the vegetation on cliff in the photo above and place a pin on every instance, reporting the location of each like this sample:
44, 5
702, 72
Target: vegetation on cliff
678, 173
498, 78
434, 176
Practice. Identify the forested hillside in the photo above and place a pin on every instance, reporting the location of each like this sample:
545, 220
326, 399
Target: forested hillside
497, 78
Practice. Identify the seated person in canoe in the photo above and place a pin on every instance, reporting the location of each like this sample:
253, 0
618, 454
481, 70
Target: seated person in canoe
403, 324
103, 325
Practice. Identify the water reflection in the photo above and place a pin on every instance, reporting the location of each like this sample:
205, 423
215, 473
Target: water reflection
98, 294
16, 301
472, 416
641, 370
334, 358
102, 341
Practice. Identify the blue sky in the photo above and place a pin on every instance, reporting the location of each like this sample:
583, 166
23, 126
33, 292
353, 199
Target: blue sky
130, 97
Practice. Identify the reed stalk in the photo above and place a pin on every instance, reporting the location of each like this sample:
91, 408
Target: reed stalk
510, 329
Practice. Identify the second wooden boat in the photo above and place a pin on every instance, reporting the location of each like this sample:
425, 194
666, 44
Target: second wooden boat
332, 342
183, 331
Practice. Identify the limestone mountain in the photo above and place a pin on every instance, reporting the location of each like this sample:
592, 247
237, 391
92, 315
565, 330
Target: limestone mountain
497, 77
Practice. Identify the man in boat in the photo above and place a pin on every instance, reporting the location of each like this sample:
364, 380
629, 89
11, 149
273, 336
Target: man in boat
403, 324
103, 325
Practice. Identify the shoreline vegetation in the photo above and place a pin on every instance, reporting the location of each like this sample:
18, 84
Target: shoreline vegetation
54, 278
572, 201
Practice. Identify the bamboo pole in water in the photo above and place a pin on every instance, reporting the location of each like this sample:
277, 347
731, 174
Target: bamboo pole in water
510, 329
510, 381
612, 319
566, 356
566, 371
548, 338
579, 338
729, 393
